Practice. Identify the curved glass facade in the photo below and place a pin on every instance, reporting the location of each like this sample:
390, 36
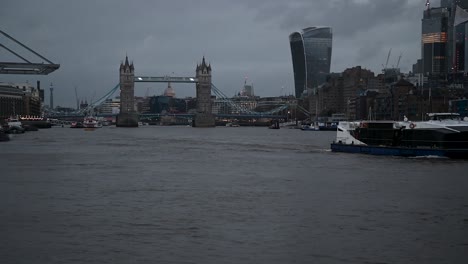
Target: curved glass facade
311, 51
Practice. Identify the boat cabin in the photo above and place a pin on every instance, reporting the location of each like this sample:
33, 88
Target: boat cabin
444, 116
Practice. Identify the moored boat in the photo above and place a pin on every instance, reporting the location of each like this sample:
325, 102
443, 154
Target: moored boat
311, 127
232, 124
444, 134
3, 135
35, 121
328, 126
274, 124
14, 122
76, 125
14, 126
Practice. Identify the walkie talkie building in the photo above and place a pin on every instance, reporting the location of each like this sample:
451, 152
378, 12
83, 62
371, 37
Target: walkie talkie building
311, 51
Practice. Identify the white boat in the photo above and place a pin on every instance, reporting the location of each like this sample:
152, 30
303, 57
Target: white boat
232, 124
312, 127
91, 122
444, 134
14, 126
14, 122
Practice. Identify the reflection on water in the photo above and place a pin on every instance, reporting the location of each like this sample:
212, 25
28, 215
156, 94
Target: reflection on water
223, 195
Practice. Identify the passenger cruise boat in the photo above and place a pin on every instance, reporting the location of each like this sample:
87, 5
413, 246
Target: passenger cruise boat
91, 122
444, 134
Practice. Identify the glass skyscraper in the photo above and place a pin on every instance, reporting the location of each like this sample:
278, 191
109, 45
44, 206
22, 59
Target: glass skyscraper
435, 41
444, 46
458, 31
311, 51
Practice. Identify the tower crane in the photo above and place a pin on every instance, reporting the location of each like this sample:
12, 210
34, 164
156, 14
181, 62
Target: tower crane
77, 101
399, 58
388, 57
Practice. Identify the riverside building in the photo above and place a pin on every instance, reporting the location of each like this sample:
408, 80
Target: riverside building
20, 99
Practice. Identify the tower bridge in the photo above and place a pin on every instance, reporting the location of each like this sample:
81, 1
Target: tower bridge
203, 117
128, 117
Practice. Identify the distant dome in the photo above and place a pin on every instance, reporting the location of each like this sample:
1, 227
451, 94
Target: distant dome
169, 91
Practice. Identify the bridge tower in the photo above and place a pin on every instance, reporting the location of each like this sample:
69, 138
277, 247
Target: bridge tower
203, 116
127, 117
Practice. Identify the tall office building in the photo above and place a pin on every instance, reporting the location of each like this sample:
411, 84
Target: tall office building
450, 3
435, 41
458, 34
444, 30
311, 51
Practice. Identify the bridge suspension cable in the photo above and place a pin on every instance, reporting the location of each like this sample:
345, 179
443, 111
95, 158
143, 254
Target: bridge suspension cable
303, 110
100, 100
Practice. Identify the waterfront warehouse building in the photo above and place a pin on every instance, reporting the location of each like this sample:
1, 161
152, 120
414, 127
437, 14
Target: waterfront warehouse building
311, 51
20, 99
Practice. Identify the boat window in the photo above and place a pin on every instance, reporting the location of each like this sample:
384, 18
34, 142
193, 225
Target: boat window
445, 117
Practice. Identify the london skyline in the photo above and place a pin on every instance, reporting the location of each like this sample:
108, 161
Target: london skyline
240, 39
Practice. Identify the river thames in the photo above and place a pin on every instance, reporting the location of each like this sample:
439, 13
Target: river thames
223, 195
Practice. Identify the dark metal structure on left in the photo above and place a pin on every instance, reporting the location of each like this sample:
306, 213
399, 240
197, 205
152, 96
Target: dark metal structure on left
25, 67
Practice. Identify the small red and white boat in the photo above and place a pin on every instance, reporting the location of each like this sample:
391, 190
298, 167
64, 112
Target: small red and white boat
91, 122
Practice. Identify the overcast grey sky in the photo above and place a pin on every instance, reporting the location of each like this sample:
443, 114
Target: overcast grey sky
239, 38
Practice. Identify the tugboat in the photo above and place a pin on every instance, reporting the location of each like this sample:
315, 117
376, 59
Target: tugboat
444, 134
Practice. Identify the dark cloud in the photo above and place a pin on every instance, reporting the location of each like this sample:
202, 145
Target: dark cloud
240, 38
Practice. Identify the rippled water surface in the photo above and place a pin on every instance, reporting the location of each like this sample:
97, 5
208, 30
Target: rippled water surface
223, 195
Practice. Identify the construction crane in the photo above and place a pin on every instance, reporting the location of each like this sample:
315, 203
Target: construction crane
77, 101
384, 67
388, 57
399, 58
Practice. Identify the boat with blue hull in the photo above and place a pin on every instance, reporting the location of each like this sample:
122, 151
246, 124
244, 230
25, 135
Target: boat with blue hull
311, 127
399, 151
444, 134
